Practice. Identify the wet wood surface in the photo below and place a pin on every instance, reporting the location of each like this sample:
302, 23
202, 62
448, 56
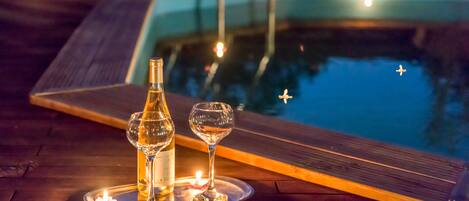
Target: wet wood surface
46, 155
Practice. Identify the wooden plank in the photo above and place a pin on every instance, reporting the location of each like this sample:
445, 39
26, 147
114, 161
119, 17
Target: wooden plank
306, 197
399, 157
97, 173
64, 141
6, 194
24, 150
22, 113
300, 187
32, 130
59, 166
88, 150
49, 195
41, 13
12, 171
62, 183
65, 122
82, 161
90, 57
86, 130
64, 134
375, 174
57, 9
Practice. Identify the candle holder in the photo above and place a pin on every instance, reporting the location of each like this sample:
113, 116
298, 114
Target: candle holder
185, 189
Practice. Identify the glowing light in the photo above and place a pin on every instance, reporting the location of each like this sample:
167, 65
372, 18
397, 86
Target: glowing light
302, 48
368, 3
198, 182
220, 49
285, 96
401, 70
198, 175
105, 197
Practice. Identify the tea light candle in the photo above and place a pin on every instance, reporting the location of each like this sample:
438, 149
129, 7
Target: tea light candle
198, 181
219, 49
105, 197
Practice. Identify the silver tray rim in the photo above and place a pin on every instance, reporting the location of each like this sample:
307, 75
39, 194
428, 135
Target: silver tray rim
89, 196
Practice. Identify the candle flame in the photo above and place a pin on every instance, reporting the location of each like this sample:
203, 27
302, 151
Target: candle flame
198, 175
220, 49
368, 3
197, 182
105, 197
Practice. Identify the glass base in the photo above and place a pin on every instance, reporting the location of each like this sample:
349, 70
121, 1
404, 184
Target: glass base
211, 195
160, 192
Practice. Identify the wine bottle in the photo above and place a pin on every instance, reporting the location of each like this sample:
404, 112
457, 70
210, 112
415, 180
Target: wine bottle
164, 162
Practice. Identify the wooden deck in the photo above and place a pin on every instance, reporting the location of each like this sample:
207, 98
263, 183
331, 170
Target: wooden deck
47, 155
87, 79
335, 160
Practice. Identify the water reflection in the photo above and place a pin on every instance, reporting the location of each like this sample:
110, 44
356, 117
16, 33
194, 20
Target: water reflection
448, 74
268, 52
342, 80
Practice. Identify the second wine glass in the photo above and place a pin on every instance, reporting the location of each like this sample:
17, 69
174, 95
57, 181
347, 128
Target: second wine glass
211, 121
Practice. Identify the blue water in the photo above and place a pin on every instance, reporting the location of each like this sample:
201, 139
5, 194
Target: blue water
345, 84
367, 98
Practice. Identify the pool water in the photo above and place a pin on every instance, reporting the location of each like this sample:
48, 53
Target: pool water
340, 79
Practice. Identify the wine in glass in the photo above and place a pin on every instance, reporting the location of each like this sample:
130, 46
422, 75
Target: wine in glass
150, 132
211, 121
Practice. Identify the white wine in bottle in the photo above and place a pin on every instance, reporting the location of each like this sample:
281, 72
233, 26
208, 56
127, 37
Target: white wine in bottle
164, 162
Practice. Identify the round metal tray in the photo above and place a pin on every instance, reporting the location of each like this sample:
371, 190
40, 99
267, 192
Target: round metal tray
183, 190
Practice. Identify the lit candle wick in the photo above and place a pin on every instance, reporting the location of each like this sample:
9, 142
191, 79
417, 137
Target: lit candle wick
198, 181
220, 49
105, 197
198, 176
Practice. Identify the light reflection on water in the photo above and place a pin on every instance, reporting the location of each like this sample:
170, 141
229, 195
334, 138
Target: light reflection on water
342, 80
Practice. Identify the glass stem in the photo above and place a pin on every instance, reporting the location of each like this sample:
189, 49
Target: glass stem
151, 189
211, 166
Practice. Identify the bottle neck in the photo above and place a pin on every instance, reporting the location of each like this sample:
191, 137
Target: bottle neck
155, 77
157, 86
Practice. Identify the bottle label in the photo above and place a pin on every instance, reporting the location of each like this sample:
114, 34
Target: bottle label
164, 168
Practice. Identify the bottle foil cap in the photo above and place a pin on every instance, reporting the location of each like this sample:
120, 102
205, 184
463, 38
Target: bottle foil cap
155, 71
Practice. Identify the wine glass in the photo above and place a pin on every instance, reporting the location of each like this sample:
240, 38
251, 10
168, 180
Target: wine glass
211, 121
150, 132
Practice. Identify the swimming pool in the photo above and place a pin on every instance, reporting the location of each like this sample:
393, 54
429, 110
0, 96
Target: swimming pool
342, 78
